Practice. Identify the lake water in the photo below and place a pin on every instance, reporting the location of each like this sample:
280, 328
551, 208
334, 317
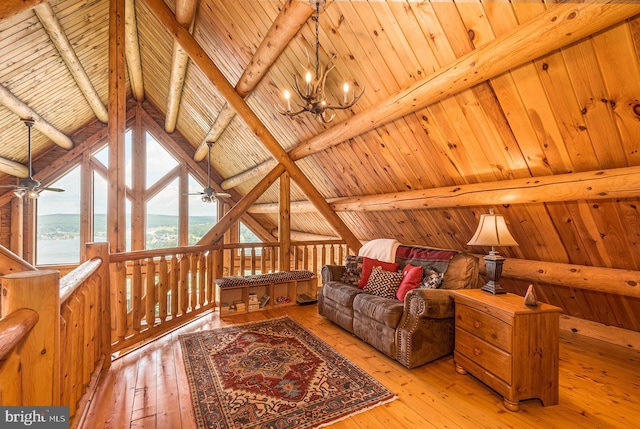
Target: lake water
58, 251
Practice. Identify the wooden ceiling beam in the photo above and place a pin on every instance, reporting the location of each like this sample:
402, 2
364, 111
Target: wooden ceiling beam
13, 168
215, 76
20, 108
132, 50
591, 185
9, 8
52, 26
287, 24
185, 14
559, 27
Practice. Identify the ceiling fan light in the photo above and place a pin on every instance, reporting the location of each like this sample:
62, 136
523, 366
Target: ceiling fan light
19, 193
32, 194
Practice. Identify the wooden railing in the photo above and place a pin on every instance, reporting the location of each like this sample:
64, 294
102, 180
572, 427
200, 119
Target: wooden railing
59, 360
153, 291
258, 258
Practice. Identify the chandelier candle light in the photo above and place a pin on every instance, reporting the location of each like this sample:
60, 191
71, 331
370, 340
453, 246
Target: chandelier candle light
492, 231
314, 95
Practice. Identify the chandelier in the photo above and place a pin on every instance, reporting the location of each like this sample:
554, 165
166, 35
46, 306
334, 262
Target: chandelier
313, 94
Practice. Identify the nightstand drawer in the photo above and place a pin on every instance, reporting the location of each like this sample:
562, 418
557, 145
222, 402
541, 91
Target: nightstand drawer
484, 354
484, 326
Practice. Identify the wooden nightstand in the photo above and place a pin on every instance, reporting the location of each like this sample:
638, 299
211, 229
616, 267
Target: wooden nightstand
510, 347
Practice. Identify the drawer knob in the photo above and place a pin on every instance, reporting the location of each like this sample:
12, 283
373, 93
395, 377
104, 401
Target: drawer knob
476, 351
476, 324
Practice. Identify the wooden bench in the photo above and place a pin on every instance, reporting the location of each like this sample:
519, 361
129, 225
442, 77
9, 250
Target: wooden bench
248, 293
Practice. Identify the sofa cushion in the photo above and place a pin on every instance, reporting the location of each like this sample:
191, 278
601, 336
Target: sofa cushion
383, 283
367, 266
340, 293
353, 270
383, 310
411, 278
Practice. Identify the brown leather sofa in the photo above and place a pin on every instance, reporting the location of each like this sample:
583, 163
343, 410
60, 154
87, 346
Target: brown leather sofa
413, 332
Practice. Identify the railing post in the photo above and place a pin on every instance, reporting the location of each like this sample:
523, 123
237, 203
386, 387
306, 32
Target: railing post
102, 251
40, 353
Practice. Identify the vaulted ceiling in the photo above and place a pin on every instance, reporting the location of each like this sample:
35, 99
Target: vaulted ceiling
434, 118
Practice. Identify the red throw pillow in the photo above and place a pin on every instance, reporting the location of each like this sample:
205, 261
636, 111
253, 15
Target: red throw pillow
367, 266
411, 277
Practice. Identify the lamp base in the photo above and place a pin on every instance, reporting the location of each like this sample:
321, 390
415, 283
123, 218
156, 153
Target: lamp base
493, 266
493, 288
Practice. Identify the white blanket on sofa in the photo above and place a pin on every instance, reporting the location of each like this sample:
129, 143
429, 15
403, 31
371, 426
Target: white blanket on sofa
382, 249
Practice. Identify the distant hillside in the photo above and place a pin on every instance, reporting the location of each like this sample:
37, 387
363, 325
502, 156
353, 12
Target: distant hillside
59, 225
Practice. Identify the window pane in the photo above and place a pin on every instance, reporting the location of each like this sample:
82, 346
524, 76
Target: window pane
127, 208
247, 236
159, 161
202, 216
162, 218
103, 155
99, 208
58, 222
127, 159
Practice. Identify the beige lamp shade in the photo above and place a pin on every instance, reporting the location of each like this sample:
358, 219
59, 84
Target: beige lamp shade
492, 231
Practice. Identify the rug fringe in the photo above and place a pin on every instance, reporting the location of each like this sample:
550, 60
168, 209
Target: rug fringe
355, 413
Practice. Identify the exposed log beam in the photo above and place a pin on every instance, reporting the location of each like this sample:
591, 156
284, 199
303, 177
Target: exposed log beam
9, 8
20, 108
185, 14
591, 185
132, 50
597, 279
291, 18
47, 17
202, 60
305, 236
284, 222
13, 168
116, 190
216, 233
561, 26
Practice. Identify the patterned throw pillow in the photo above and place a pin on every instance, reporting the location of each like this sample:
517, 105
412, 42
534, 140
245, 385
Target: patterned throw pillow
353, 270
383, 283
432, 280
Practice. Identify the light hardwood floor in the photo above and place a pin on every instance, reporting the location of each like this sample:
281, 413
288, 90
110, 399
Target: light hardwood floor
599, 386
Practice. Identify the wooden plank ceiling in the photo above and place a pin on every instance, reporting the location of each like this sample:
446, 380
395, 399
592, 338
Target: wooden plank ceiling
576, 109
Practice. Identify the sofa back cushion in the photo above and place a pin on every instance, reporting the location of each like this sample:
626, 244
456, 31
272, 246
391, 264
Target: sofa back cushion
462, 272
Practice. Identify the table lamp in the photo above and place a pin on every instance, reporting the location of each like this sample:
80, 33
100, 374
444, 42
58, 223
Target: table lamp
492, 231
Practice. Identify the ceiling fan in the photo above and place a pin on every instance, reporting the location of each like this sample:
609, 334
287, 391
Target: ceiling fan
208, 193
29, 186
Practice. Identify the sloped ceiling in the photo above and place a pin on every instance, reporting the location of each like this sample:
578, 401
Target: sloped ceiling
574, 110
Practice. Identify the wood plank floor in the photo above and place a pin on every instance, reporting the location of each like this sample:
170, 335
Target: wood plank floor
599, 386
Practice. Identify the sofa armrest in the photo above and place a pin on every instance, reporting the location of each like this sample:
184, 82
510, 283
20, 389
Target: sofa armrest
429, 303
332, 273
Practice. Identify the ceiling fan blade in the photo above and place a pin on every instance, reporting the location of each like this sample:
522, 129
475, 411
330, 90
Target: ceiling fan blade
195, 193
221, 194
53, 189
11, 186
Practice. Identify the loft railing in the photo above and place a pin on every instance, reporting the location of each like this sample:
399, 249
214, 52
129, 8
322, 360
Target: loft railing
153, 291
258, 258
63, 342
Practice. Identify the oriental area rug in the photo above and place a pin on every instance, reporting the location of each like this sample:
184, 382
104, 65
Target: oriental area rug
273, 374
